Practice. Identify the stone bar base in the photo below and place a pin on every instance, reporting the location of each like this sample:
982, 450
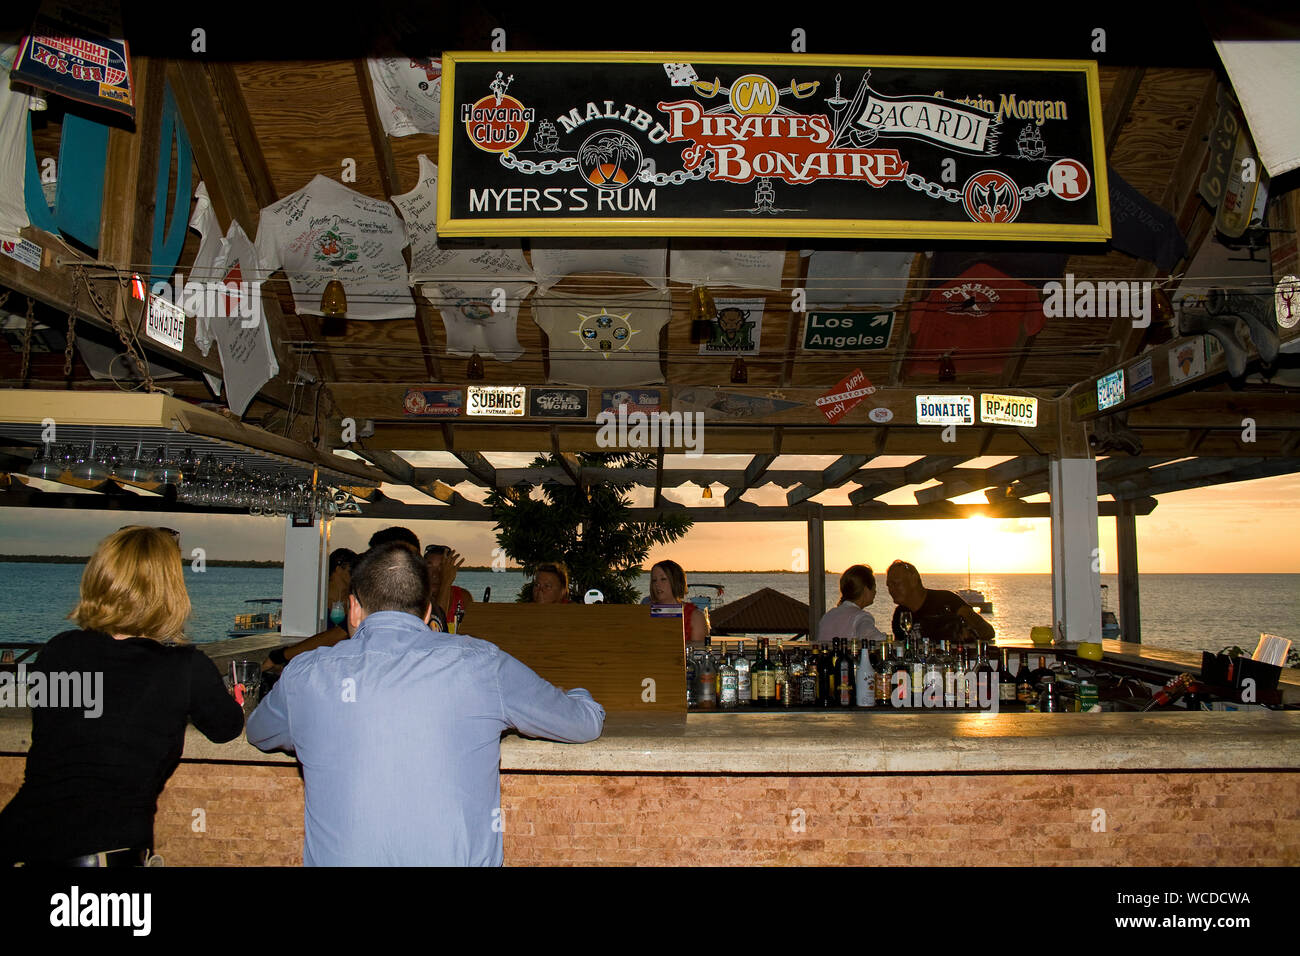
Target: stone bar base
252, 816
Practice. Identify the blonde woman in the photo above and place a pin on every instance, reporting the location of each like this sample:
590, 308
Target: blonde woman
98, 763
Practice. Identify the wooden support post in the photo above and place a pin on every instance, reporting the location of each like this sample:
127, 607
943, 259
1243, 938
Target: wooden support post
1130, 611
816, 569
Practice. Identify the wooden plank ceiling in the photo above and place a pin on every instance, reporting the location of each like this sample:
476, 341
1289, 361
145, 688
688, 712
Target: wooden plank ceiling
275, 124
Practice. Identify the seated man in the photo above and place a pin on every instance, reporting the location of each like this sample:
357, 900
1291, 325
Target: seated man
399, 728
280, 656
941, 615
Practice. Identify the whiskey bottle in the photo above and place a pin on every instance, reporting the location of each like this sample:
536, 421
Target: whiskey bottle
727, 684
764, 678
744, 686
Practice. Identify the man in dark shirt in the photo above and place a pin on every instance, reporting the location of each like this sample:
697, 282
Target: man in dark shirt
941, 615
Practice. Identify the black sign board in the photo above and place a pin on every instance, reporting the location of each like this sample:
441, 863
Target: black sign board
557, 402
743, 144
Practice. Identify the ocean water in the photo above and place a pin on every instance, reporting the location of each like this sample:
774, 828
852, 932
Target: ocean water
1191, 612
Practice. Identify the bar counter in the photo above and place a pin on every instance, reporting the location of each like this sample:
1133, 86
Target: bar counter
875, 788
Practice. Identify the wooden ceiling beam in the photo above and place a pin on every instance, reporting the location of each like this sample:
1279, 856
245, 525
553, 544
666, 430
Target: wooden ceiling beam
964, 481
468, 511
838, 472
1260, 468
198, 104
757, 466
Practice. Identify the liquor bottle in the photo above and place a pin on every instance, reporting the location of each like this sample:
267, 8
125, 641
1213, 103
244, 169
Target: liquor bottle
706, 689
744, 686
764, 677
727, 684
827, 693
916, 667
781, 673
691, 675
952, 675
810, 682
848, 675
902, 673
1024, 686
864, 681
933, 679
1006, 682
884, 673
981, 674
1041, 674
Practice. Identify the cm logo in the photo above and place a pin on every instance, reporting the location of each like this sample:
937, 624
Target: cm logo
1069, 179
754, 95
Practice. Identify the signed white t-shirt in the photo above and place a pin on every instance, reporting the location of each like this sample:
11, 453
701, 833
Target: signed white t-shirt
454, 260
326, 231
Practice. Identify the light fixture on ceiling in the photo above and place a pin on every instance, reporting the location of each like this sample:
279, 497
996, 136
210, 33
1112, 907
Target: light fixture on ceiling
703, 311
739, 372
947, 368
474, 368
334, 301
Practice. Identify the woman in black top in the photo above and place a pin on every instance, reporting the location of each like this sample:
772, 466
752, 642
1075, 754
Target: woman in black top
98, 763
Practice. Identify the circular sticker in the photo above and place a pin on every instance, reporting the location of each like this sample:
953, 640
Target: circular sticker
609, 159
880, 415
991, 196
497, 123
1287, 302
1069, 179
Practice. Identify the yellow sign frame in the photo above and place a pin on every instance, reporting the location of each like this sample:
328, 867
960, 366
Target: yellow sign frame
830, 228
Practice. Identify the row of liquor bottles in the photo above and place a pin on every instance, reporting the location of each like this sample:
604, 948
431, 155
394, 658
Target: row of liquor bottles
847, 673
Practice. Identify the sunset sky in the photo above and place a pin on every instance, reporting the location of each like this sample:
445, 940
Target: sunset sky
1245, 527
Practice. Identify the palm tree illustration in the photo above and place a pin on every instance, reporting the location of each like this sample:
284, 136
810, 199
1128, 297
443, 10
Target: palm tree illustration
607, 150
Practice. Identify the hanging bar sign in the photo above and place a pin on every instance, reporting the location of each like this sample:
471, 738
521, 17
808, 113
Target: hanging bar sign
717, 144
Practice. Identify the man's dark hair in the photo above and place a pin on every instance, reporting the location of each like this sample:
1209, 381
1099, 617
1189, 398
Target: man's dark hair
395, 533
391, 577
342, 558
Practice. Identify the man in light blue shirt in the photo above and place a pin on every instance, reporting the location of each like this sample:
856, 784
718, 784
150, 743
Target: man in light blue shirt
398, 729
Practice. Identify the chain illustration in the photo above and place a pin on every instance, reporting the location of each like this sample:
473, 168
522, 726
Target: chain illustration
1034, 192
120, 326
27, 337
647, 174
933, 190
546, 167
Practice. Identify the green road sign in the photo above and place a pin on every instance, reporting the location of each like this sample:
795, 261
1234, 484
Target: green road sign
847, 331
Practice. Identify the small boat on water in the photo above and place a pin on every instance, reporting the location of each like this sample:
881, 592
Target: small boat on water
264, 620
1109, 622
704, 601
975, 599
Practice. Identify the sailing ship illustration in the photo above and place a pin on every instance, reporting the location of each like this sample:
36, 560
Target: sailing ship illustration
1030, 143
546, 139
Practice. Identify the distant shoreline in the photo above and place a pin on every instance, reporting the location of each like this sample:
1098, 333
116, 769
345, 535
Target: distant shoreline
75, 559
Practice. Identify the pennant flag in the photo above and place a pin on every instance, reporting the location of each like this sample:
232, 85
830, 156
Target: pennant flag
603, 341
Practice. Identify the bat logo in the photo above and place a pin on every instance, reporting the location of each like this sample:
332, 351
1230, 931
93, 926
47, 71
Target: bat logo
991, 196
